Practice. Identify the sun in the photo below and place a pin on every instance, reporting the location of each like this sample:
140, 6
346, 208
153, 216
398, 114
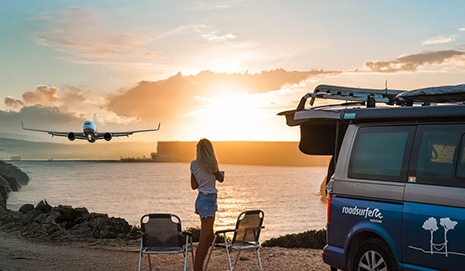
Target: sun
231, 115
232, 118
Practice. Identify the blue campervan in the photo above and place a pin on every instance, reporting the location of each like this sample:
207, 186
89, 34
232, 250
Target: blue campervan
396, 181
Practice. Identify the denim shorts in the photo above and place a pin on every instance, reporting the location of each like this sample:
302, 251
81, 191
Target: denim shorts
205, 205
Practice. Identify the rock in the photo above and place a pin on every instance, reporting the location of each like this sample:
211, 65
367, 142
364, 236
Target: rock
11, 170
11, 179
4, 190
57, 223
43, 206
13, 182
65, 223
26, 207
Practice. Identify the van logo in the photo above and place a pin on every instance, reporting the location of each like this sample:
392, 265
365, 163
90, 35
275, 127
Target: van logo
374, 215
431, 224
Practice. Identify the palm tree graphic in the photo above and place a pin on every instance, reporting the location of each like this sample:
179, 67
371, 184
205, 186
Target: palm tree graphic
431, 225
447, 224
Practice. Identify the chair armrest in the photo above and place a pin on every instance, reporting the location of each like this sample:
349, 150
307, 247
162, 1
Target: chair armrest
188, 233
225, 231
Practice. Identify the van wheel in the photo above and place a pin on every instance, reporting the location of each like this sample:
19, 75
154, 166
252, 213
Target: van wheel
373, 255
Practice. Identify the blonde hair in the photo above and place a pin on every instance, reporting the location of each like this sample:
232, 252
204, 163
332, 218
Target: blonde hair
206, 156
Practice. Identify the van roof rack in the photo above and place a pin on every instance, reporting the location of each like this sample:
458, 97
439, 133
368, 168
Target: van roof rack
423, 96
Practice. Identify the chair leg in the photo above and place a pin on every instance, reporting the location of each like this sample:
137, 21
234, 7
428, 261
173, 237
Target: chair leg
150, 262
192, 252
140, 256
231, 268
237, 258
257, 251
186, 252
186, 255
140, 262
210, 254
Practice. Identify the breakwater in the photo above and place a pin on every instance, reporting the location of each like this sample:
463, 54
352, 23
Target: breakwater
245, 153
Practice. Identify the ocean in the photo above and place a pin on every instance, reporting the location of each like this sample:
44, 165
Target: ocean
289, 196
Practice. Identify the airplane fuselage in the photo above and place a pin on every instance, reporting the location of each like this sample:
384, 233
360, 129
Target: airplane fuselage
88, 127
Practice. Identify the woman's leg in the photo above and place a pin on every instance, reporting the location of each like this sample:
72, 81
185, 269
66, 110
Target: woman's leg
206, 237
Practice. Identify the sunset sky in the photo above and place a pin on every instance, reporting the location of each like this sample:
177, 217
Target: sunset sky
215, 69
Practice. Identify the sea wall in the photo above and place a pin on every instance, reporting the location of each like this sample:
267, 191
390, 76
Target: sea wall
245, 152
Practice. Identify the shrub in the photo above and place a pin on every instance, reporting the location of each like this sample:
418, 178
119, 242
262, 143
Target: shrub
196, 235
315, 239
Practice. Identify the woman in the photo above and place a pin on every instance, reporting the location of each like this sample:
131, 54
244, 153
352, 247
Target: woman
204, 173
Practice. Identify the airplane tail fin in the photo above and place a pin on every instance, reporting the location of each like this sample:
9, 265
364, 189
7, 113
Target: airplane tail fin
95, 121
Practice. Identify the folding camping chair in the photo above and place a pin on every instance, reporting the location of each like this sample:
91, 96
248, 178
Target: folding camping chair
162, 234
246, 236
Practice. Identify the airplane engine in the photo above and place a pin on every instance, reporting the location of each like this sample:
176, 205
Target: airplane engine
71, 136
107, 136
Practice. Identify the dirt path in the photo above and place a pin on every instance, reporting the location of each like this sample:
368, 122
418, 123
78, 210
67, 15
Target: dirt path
20, 254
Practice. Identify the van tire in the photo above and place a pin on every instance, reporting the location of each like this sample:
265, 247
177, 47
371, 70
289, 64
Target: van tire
384, 260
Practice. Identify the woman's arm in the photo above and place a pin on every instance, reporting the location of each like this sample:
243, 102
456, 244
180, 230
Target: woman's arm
194, 183
219, 176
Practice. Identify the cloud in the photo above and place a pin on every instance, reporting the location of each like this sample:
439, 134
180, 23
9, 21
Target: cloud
73, 96
37, 116
69, 100
41, 95
214, 37
13, 103
439, 40
82, 33
53, 115
414, 61
178, 95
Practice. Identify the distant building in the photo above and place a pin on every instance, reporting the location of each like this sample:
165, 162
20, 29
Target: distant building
15, 158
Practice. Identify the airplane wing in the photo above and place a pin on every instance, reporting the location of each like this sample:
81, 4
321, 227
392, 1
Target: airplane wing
53, 133
127, 133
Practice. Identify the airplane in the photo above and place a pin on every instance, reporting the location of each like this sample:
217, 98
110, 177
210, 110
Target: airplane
89, 132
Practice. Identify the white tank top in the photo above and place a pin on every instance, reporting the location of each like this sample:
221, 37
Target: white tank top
205, 180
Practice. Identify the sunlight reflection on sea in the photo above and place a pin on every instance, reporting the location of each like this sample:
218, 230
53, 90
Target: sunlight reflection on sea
289, 196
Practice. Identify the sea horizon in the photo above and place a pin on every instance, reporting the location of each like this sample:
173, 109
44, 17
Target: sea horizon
285, 153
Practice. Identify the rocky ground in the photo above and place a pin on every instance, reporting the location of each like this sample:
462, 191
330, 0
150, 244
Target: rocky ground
26, 254
43, 237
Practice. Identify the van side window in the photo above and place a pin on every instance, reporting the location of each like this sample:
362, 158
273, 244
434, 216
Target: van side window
439, 147
380, 153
